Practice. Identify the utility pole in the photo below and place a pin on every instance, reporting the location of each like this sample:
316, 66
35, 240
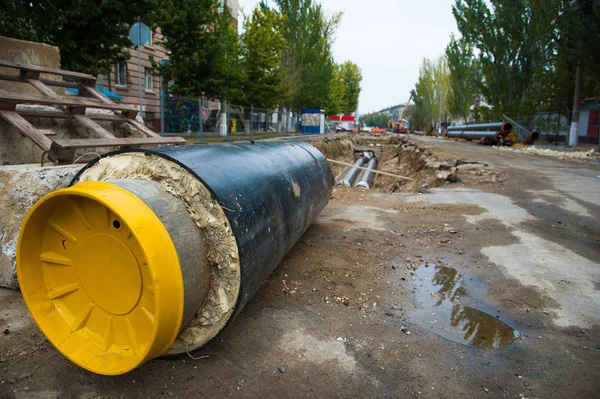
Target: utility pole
575, 7
576, 100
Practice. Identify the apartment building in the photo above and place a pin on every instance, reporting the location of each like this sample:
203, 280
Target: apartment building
125, 78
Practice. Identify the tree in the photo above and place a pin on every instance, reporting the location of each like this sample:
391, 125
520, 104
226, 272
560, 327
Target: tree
579, 44
337, 94
262, 46
465, 79
352, 77
203, 48
375, 120
91, 35
517, 45
307, 61
431, 95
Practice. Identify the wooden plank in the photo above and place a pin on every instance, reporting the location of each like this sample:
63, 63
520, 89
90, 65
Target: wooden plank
27, 129
143, 128
118, 142
79, 115
82, 77
41, 87
96, 128
31, 113
9, 97
372, 170
138, 125
47, 132
47, 82
97, 94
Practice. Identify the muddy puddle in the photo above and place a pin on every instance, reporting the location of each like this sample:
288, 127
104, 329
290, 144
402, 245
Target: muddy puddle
443, 307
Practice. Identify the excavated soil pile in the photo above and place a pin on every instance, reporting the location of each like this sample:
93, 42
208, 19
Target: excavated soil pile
400, 156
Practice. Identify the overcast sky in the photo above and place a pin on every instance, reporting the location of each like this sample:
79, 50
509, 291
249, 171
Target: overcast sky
388, 39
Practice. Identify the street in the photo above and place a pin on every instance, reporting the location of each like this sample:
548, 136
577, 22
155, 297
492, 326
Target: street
480, 288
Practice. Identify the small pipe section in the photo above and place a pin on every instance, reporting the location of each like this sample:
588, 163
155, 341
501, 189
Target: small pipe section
367, 176
348, 179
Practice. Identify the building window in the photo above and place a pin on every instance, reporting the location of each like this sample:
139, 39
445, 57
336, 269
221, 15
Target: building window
121, 74
149, 79
150, 39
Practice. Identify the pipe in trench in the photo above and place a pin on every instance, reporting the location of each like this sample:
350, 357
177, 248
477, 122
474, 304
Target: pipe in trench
348, 178
366, 178
154, 252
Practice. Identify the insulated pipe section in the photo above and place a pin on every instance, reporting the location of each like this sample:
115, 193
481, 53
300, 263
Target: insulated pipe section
367, 176
496, 126
471, 135
152, 253
349, 177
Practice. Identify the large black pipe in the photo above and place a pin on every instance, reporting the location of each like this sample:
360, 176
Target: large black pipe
495, 126
154, 252
270, 191
471, 135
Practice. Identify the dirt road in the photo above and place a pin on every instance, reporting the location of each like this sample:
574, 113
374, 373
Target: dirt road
472, 290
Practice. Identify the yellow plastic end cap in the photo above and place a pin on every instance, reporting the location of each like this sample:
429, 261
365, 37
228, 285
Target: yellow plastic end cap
101, 277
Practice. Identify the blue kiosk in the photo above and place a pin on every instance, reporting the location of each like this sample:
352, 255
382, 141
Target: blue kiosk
313, 121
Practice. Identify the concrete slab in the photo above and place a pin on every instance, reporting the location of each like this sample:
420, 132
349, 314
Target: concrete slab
21, 186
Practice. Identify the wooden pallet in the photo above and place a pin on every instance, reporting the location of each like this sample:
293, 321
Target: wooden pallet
73, 108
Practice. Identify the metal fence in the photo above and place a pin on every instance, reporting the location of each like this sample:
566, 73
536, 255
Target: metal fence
552, 126
203, 117
172, 115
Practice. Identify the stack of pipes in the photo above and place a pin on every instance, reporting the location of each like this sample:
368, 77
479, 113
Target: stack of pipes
496, 133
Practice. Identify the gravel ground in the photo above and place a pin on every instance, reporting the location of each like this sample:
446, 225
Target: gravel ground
484, 288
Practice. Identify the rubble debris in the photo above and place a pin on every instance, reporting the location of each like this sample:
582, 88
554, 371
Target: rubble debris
591, 157
400, 158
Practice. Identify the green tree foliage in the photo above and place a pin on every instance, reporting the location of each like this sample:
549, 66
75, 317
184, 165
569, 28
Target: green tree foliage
431, 95
465, 79
580, 44
284, 58
262, 46
203, 48
352, 77
337, 94
375, 120
517, 44
91, 35
345, 89
307, 61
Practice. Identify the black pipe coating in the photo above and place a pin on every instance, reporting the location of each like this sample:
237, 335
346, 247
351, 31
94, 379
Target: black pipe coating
270, 192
